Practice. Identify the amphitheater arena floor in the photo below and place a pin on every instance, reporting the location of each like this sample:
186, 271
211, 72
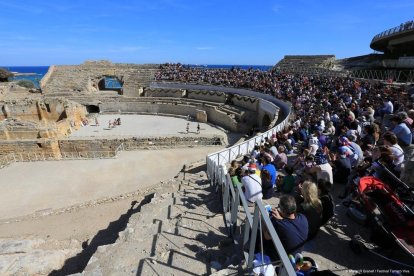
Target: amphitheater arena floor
142, 126
28, 188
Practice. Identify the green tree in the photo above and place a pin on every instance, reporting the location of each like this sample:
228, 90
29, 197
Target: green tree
5, 75
26, 83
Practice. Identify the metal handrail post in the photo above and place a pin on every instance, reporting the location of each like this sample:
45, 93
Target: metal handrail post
226, 196
234, 211
253, 237
275, 238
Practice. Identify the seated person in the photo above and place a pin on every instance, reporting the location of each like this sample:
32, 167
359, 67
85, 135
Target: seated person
267, 186
234, 165
328, 204
311, 207
401, 130
287, 183
391, 140
292, 229
268, 166
342, 166
252, 184
281, 158
321, 168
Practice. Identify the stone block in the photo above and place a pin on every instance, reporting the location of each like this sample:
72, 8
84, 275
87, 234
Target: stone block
201, 116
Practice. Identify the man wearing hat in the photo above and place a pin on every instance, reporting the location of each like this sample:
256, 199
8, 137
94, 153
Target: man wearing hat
251, 183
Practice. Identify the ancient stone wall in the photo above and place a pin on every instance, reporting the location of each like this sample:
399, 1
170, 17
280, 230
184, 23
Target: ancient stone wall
38, 146
248, 103
85, 78
46, 77
40, 119
220, 118
4, 89
18, 134
214, 114
83, 146
267, 109
172, 93
210, 96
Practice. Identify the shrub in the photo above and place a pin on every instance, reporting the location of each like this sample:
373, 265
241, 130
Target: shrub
5, 75
26, 83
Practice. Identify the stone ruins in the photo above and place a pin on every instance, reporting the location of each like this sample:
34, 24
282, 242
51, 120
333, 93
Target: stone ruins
36, 124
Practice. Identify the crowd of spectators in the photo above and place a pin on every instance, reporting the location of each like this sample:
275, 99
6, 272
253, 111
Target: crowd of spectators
342, 129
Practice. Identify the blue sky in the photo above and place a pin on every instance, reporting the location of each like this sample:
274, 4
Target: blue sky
190, 31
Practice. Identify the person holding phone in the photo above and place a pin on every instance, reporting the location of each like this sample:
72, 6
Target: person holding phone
291, 227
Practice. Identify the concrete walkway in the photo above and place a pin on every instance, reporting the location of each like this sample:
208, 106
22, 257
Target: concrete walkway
36, 186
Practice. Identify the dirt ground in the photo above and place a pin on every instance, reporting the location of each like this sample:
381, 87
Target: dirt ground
68, 225
81, 223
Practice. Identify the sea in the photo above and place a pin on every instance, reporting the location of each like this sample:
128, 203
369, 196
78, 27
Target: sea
40, 71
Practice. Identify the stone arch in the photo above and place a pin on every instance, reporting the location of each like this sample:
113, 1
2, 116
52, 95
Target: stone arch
112, 83
92, 108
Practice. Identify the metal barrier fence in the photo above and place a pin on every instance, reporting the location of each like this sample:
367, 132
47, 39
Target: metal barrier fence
216, 171
385, 75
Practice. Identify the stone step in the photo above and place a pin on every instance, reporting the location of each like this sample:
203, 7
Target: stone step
178, 232
34, 257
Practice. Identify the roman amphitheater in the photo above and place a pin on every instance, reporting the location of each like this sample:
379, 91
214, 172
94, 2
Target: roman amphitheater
68, 171
99, 180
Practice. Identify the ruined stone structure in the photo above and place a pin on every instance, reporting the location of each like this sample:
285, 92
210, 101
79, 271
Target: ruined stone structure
89, 78
35, 126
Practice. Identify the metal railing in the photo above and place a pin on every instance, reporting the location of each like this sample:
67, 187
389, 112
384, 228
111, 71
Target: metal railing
403, 27
232, 197
385, 75
216, 172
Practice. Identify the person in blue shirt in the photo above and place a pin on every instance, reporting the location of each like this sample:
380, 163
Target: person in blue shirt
268, 166
291, 227
401, 130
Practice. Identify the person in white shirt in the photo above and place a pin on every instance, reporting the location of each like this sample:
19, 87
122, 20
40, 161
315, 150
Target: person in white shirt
252, 184
313, 144
391, 140
388, 107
